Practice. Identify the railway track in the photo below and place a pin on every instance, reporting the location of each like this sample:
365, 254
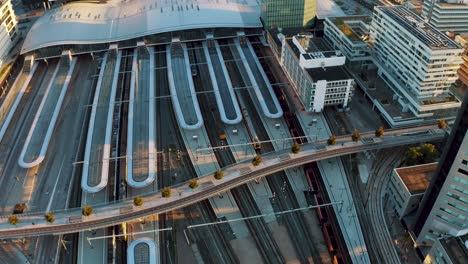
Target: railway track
120, 145
258, 229
294, 222
211, 243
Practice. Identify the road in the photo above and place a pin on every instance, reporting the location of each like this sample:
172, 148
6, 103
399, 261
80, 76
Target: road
238, 174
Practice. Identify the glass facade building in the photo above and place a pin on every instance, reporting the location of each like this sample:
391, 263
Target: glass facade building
288, 14
444, 209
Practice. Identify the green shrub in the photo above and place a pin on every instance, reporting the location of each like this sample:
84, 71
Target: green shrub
356, 136
256, 160
379, 132
13, 219
295, 148
49, 217
138, 201
87, 210
193, 184
166, 192
218, 174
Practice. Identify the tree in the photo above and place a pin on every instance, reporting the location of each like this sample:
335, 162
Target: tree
442, 124
49, 217
87, 210
413, 155
356, 136
138, 201
379, 132
295, 148
331, 140
13, 219
218, 175
257, 160
426, 153
193, 184
166, 192
429, 153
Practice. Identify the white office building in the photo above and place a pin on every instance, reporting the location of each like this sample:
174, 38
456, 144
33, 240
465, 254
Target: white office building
447, 15
315, 71
416, 60
407, 185
7, 29
350, 35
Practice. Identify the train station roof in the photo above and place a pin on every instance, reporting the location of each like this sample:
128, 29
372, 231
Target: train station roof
117, 20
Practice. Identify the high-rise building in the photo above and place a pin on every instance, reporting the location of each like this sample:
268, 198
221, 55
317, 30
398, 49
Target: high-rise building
7, 28
288, 14
416, 60
444, 208
447, 15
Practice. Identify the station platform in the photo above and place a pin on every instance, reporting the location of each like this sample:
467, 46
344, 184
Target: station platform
205, 162
336, 183
237, 135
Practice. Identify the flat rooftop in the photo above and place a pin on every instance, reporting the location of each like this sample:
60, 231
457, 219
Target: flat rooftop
330, 74
456, 248
317, 48
417, 178
353, 27
328, 8
312, 47
417, 27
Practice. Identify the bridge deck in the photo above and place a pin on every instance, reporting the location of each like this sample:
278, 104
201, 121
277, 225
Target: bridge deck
109, 214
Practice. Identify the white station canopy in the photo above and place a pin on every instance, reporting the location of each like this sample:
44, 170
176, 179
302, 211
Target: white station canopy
116, 20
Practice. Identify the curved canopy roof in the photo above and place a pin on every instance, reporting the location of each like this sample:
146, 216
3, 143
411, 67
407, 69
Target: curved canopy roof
116, 20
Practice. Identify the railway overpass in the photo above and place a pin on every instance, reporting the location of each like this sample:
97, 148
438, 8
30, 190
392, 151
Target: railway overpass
109, 214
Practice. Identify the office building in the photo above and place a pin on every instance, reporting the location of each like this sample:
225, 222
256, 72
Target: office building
418, 62
407, 185
452, 250
288, 14
463, 71
7, 29
314, 69
444, 208
350, 35
447, 15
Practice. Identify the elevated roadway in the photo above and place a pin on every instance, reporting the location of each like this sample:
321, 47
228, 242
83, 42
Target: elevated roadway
108, 214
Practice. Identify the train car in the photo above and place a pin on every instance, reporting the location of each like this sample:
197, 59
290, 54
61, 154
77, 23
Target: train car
338, 259
313, 184
329, 238
249, 125
321, 211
